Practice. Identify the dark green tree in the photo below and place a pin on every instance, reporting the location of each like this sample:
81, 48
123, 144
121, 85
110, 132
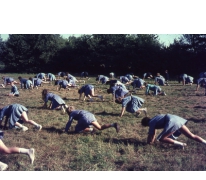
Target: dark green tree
31, 52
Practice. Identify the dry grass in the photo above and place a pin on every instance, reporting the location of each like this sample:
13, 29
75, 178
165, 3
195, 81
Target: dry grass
106, 151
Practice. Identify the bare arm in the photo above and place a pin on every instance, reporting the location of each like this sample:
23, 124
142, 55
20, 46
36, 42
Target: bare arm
122, 112
151, 138
5, 123
197, 87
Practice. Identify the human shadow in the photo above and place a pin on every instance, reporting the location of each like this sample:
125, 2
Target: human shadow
34, 107
125, 141
53, 130
198, 107
202, 120
70, 99
104, 113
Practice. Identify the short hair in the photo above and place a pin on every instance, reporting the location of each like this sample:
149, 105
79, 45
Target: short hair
44, 92
97, 79
19, 77
70, 109
79, 91
109, 91
145, 121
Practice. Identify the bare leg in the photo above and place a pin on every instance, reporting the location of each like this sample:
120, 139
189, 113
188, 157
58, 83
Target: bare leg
93, 95
184, 130
105, 126
12, 150
4, 149
25, 119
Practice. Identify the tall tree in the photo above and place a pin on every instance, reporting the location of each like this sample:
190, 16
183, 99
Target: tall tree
31, 52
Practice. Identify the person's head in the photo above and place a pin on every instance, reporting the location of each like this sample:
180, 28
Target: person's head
70, 109
158, 74
80, 91
109, 91
145, 121
145, 84
30, 79
44, 93
97, 79
20, 78
166, 71
3, 77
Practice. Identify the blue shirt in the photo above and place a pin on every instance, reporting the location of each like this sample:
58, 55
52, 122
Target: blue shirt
23, 81
7, 80
73, 115
14, 90
153, 88
5, 111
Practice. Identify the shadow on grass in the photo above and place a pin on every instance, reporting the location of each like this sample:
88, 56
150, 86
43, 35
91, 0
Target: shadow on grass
202, 107
54, 130
61, 131
197, 120
34, 107
126, 141
107, 114
70, 99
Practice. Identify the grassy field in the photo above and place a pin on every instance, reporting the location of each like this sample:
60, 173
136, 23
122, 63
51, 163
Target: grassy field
106, 150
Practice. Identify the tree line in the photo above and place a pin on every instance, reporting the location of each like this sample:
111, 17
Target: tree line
103, 53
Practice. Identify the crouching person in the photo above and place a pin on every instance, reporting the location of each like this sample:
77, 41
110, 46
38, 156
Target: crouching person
14, 113
86, 121
131, 104
172, 126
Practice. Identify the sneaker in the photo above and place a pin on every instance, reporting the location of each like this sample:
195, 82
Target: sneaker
24, 128
116, 126
91, 100
163, 93
3, 166
31, 155
39, 127
138, 113
102, 98
62, 108
145, 111
184, 145
93, 131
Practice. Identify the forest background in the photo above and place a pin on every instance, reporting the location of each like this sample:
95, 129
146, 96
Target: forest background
103, 53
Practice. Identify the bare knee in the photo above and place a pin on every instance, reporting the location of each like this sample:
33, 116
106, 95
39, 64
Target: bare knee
6, 150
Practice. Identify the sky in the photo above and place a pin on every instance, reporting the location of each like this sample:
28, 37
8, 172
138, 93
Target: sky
164, 38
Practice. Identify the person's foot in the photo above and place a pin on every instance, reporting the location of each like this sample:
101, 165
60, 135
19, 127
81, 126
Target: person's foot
184, 145
31, 155
163, 93
24, 128
93, 131
138, 113
3, 166
62, 108
145, 111
91, 100
39, 127
102, 98
116, 126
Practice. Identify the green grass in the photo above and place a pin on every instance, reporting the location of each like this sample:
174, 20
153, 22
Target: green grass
107, 150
